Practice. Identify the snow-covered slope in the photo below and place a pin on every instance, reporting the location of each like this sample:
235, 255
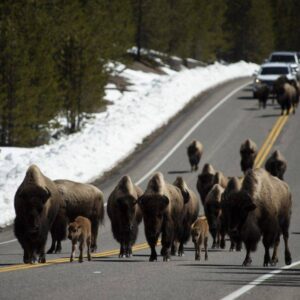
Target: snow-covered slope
112, 135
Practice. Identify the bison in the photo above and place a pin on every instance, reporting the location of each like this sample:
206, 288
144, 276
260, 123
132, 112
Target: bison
162, 207
80, 231
286, 94
276, 164
191, 211
37, 202
262, 207
199, 231
262, 95
78, 199
212, 209
248, 152
194, 151
124, 213
233, 186
207, 179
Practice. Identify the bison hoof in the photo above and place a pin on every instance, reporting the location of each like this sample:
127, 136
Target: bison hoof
50, 251
288, 259
93, 248
71, 259
247, 262
206, 257
80, 260
197, 257
153, 258
222, 244
274, 261
166, 258
42, 260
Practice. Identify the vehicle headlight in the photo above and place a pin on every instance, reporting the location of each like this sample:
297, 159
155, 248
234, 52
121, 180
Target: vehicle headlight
257, 80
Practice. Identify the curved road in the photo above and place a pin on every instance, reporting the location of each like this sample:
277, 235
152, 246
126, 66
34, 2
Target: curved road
221, 129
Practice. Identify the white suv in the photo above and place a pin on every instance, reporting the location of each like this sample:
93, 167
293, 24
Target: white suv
291, 58
268, 74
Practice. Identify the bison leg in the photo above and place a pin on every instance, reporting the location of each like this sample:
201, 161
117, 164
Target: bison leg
238, 246
166, 241
153, 255
197, 250
287, 253
95, 226
274, 260
267, 258
181, 249
205, 247
52, 248
73, 252
81, 247
174, 249
88, 244
248, 260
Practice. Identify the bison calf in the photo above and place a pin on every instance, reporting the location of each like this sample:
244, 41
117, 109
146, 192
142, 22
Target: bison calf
80, 231
199, 231
194, 151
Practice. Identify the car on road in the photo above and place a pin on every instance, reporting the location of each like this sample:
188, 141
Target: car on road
269, 72
288, 57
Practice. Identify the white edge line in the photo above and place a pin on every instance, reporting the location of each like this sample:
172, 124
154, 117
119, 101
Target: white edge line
190, 132
8, 242
179, 143
258, 281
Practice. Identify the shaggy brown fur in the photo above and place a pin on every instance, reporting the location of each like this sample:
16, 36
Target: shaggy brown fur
199, 230
276, 164
124, 214
162, 208
213, 213
248, 153
79, 199
191, 211
80, 231
261, 208
36, 203
286, 94
262, 95
194, 152
234, 185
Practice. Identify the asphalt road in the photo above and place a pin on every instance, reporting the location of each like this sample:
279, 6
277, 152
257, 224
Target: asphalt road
107, 277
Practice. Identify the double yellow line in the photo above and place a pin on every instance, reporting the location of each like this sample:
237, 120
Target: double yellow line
270, 140
67, 260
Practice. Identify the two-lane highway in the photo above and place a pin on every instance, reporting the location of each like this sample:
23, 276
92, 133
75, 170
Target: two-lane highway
221, 119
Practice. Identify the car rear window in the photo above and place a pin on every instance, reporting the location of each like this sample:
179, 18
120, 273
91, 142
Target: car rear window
283, 58
274, 71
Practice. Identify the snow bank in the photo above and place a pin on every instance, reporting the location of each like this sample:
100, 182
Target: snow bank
112, 135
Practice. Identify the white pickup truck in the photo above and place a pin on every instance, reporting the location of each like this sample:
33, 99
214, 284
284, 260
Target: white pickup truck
288, 57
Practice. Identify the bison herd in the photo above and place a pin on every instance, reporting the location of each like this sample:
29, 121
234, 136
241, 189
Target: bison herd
246, 209
287, 93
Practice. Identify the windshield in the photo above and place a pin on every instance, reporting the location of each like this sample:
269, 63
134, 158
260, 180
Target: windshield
274, 71
283, 58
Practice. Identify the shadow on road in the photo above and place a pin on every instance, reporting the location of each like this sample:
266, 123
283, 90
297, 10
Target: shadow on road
246, 98
269, 116
179, 172
251, 108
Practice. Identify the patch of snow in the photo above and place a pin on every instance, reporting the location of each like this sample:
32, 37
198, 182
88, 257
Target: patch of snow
112, 135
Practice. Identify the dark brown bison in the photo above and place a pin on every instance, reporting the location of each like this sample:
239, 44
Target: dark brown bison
80, 231
212, 209
233, 186
276, 164
286, 94
262, 95
194, 152
37, 202
207, 179
248, 151
261, 208
190, 213
162, 208
78, 199
199, 231
124, 213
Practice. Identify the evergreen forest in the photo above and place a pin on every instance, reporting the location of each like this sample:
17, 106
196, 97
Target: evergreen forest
54, 53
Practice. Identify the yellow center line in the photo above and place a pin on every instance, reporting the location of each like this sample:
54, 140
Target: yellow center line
266, 142
67, 259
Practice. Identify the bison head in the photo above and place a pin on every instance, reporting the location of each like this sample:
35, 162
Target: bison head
154, 211
238, 207
127, 208
32, 208
74, 231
